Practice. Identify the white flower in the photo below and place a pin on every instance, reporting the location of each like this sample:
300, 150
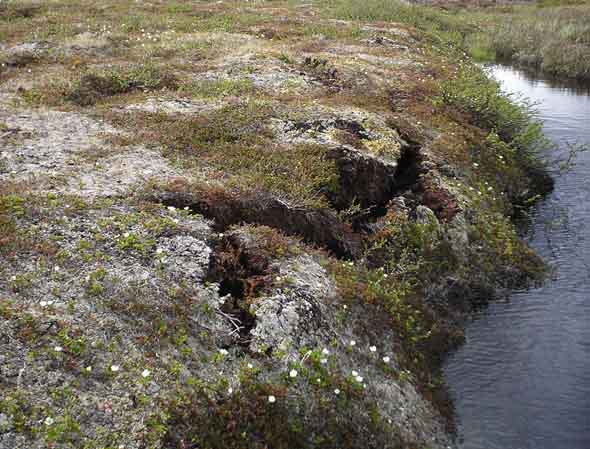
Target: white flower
345, 307
115, 368
88, 369
372, 348
13, 278
171, 208
386, 359
56, 268
230, 390
336, 391
475, 164
325, 351
58, 349
272, 399
319, 380
49, 421
223, 352
352, 342
145, 373
293, 373
354, 373
159, 251
126, 235
185, 207
323, 361
250, 366
359, 379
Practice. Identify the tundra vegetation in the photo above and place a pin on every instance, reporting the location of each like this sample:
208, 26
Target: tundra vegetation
230, 224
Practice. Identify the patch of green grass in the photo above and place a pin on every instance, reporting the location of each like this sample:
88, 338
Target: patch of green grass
552, 36
438, 23
219, 88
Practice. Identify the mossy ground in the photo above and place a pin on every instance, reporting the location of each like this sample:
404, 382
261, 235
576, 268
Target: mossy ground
251, 113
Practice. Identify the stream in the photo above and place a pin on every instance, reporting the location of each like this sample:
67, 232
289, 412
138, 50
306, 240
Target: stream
522, 379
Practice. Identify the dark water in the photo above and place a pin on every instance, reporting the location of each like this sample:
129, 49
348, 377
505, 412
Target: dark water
522, 380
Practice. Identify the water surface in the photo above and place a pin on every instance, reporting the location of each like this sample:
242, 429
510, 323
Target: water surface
522, 380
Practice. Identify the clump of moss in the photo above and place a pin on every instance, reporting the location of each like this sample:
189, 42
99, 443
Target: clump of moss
10, 11
206, 416
237, 143
93, 87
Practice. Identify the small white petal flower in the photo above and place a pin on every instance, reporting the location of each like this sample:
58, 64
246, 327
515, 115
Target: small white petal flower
293, 373
372, 348
56, 268
250, 366
386, 359
145, 373
88, 369
159, 251
336, 391
319, 380
171, 208
354, 373
230, 390
58, 349
323, 361
325, 351
115, 368
126, 235
223, 352
345, 307
359, 379
352, 343
13, 278
185, 207
272, 399
49, 421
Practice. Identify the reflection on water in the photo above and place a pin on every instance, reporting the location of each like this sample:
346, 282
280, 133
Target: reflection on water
522, 380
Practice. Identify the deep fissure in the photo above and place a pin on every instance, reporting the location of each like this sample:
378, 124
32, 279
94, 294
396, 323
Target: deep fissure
370, 182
